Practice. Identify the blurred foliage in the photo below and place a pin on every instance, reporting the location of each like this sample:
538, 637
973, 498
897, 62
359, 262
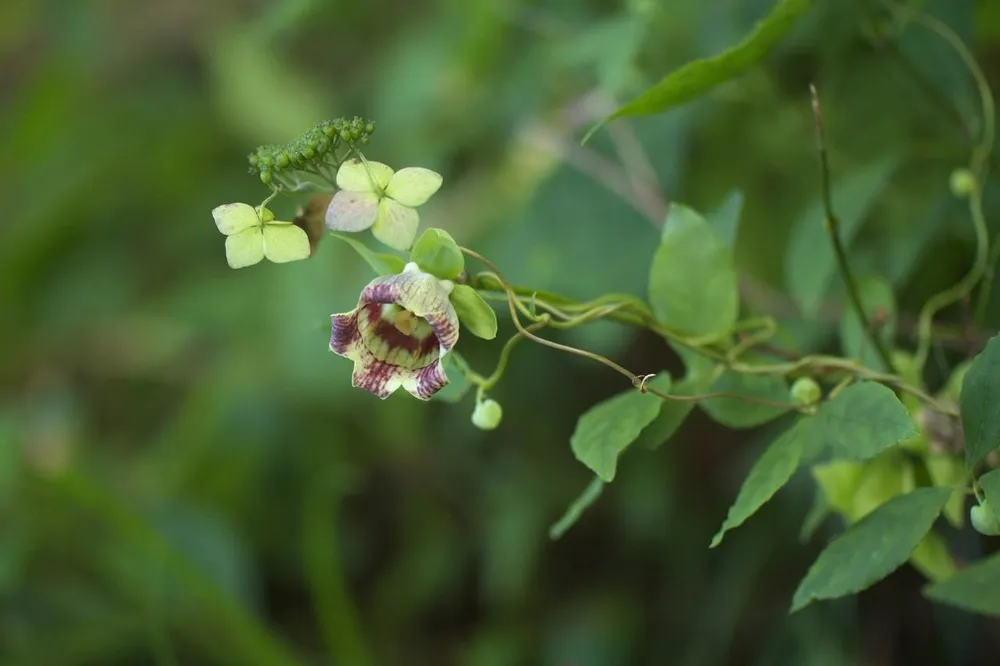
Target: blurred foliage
186, 475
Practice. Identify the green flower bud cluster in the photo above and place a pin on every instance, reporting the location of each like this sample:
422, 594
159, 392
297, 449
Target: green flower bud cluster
314, 150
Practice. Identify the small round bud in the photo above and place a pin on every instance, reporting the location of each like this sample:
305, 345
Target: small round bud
322, 146
330, 131
309, 153
253, 159
369, 128
805, 391
364, 140
355, 133
962, 183
984, 520
282, 160
265, 176
487, 415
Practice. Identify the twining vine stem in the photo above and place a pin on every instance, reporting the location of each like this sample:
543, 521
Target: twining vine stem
832, 224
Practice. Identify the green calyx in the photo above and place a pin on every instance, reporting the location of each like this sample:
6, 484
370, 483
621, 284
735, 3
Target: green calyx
437, 253
474, 312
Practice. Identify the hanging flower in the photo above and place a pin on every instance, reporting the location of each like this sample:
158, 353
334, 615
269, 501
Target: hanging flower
399, 333
253, 233
372, 195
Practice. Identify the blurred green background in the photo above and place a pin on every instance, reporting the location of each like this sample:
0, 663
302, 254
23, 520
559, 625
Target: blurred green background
186, 475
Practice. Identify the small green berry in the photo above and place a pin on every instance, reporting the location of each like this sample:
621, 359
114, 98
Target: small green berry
309, 153
963, 183
984, 520
805, 391
487, 415
282, 160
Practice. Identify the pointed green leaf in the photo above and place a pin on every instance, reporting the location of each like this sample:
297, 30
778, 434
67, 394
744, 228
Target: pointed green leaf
879, 303
474, 312
437, 253
975, 588
771, 471
726, 218
692, 281
978, 401
381, 263
932, 558
697, 77
838, 480
810, 264
872, 548
605, 430
576, 509
738, 413
863, 420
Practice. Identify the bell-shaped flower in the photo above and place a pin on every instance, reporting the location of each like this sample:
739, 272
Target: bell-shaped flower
372, 195
253, 233
399, 333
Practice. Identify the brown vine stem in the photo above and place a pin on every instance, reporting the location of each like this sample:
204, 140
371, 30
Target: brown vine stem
833, 227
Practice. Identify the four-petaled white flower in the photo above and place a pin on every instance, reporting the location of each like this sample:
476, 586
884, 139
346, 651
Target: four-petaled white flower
253, 233
372, 195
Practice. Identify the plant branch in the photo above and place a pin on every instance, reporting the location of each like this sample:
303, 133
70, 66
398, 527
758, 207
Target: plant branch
833, 228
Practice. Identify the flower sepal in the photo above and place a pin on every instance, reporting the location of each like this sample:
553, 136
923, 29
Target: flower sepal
437, 253
474, 312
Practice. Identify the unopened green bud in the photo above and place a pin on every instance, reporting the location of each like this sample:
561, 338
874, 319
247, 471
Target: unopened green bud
487, 415
309, 153
984, 520
265, 176
253, 159
963, 183
805, 391
282, 160
369, 128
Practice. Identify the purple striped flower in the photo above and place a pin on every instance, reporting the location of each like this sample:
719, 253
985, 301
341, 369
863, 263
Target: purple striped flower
399, 333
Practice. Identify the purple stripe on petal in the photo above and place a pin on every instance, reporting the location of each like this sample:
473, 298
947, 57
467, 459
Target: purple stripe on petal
427, 382
377, 377
344, 332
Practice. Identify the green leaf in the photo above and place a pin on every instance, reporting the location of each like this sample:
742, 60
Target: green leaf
698, 377
771, 471
474, 312
605, 430
381, 263
726, 218
947, 470
697, 77
872, 548
838, 480
576, 509
437, 253
458, 385
978, 401
810, 264
879, 302
692, 281
737, 413
990, 483
932, 558
975, 588
862, 421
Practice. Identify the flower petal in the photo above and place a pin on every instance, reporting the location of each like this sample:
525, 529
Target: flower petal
235, 217
396, 224
357, 176
378, 377
283, 241
413, 186
245, 248
423, 295
351, 211
424, 383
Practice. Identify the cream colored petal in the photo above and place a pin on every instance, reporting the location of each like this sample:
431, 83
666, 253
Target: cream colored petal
245, 248
235, 217
357, 176
396, 224
285, 242
413, 186
351, 211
